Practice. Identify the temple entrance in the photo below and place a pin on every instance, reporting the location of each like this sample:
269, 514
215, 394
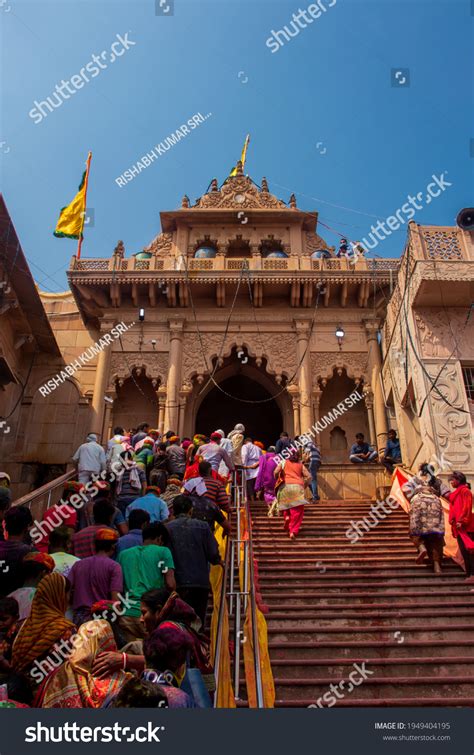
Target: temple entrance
136, 402
261, 421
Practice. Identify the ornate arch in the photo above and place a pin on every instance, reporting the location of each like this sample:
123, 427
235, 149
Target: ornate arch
324, 363
279, 351
153, 365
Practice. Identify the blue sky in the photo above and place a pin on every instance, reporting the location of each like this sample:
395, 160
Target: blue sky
330, 85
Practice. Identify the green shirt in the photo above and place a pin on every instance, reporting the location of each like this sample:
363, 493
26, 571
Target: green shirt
144, 567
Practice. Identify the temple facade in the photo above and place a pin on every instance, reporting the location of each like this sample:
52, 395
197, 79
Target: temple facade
238, 311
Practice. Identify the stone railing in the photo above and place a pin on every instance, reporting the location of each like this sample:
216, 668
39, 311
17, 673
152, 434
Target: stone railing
444, 243
233, 263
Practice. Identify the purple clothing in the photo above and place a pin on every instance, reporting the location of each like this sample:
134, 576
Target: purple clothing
265, 477
94, 578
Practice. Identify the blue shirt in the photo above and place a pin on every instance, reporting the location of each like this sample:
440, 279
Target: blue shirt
360, 448
132, 538
392, 449
151, 503
315, 453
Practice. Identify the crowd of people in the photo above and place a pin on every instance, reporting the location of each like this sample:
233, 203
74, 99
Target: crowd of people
104, 603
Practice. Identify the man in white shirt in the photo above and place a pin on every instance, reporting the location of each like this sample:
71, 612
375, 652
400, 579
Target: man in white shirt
226, 444
90, 459
115, 445
250, 457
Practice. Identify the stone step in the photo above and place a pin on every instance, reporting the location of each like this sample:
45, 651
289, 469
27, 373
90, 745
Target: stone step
340, 574
324, 619
373, 688
333, 669
342, 558
414, 650
420, 701
347, 606
451, 585
450, 629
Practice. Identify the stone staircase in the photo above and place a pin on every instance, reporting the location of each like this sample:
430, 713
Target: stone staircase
333, 604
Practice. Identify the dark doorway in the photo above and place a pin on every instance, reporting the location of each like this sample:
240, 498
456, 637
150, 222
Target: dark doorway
262, 421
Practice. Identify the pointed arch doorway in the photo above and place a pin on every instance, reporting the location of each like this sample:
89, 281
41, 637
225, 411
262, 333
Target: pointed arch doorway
262, 421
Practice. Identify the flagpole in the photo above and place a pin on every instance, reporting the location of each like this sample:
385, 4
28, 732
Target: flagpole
86, 181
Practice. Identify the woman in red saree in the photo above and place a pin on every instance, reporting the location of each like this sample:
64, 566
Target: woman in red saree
290, 494
461, 519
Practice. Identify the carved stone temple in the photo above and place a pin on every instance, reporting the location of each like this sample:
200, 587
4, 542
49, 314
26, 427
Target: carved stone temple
241, 299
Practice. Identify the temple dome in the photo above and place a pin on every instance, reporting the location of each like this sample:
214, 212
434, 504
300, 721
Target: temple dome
276, 253
205, 253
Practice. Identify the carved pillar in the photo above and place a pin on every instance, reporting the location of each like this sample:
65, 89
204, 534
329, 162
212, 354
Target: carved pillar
369, 402
161, 408
100, 384
374, 371
174, 374
106, 434
294, 393
304, 375
186, 389
317, 393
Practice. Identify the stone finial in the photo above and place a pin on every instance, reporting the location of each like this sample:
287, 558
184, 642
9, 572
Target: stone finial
264, 185
293, 202
214, 185
119, 250
240, 170
185, 201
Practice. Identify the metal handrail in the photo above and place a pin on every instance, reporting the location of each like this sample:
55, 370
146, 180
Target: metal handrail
48, 488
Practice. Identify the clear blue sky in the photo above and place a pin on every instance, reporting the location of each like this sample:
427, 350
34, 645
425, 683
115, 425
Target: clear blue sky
331, 84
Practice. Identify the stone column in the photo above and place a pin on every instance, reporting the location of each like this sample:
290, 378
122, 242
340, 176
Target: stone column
369, 402
107, 421
294, 394
100, 384
174, 374
374, 371
161, 407
304, 375
186, 390
317, 393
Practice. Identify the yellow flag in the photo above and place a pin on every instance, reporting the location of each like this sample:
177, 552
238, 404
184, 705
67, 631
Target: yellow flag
242, 157
71, 218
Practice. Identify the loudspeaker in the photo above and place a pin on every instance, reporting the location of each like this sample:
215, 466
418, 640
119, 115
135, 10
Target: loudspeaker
465, 219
